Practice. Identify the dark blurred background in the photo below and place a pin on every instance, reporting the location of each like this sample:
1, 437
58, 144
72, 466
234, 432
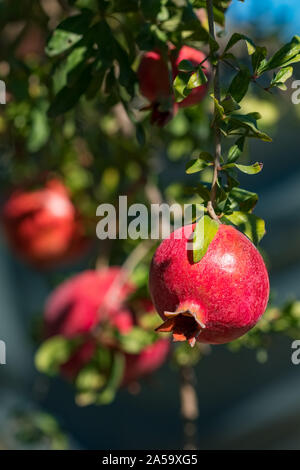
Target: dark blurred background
243, 403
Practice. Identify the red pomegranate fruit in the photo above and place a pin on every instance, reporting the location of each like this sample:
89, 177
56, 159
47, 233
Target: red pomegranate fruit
43, 226
196, 57
95, 298
155, 81
215, 300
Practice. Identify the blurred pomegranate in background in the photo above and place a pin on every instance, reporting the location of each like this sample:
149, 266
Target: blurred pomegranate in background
43, 226
155, 81
32, 43
98, 299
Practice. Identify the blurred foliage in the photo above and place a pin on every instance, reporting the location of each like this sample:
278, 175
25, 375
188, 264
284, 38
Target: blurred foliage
28, 429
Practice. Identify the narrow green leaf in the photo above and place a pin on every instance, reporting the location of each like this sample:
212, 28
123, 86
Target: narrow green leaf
282, 76
219, 108
258, 57
250, 169
197, 79
246, 200
288, 54
236, 150
238, 122
204, 232
68, 33
240, 84
249, 224
229, 104
180, 86
236, 37
196, 165
186, 66
68, 97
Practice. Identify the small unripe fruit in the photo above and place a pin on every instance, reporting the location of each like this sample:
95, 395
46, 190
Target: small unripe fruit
215, 300
43, 226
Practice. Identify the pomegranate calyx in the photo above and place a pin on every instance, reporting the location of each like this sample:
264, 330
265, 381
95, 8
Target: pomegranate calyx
184, 325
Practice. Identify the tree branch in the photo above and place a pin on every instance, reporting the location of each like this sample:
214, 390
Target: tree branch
218, 150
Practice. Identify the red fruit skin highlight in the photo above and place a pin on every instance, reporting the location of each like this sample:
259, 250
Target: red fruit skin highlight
74, 309
215, 300
42, 225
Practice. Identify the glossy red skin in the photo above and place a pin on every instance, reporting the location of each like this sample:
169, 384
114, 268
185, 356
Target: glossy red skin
43, 226
227, 290
195, 57
74, 309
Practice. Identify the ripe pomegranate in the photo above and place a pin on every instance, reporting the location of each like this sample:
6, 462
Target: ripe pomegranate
43, 226
195, 57
94, 298
155, 82
215, 300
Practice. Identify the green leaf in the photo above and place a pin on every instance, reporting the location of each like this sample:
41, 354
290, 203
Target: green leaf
68, 97
136, 340
203, 192
180, 86
186, 66
39, 129
288, 54
140, 134
239, 85
108, 394
204, 232
196, 165
258, 57
249, 224
68, 33
238, 123
248, 169
53, 353
197, 79
246, 200
236, 37
219, 108
282, 76
236, 150
229, 104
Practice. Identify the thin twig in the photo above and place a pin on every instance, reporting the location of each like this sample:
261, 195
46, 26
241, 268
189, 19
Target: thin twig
253, 79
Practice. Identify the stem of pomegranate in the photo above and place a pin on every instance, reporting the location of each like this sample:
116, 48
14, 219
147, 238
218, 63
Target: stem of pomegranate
217, 131
189, 407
